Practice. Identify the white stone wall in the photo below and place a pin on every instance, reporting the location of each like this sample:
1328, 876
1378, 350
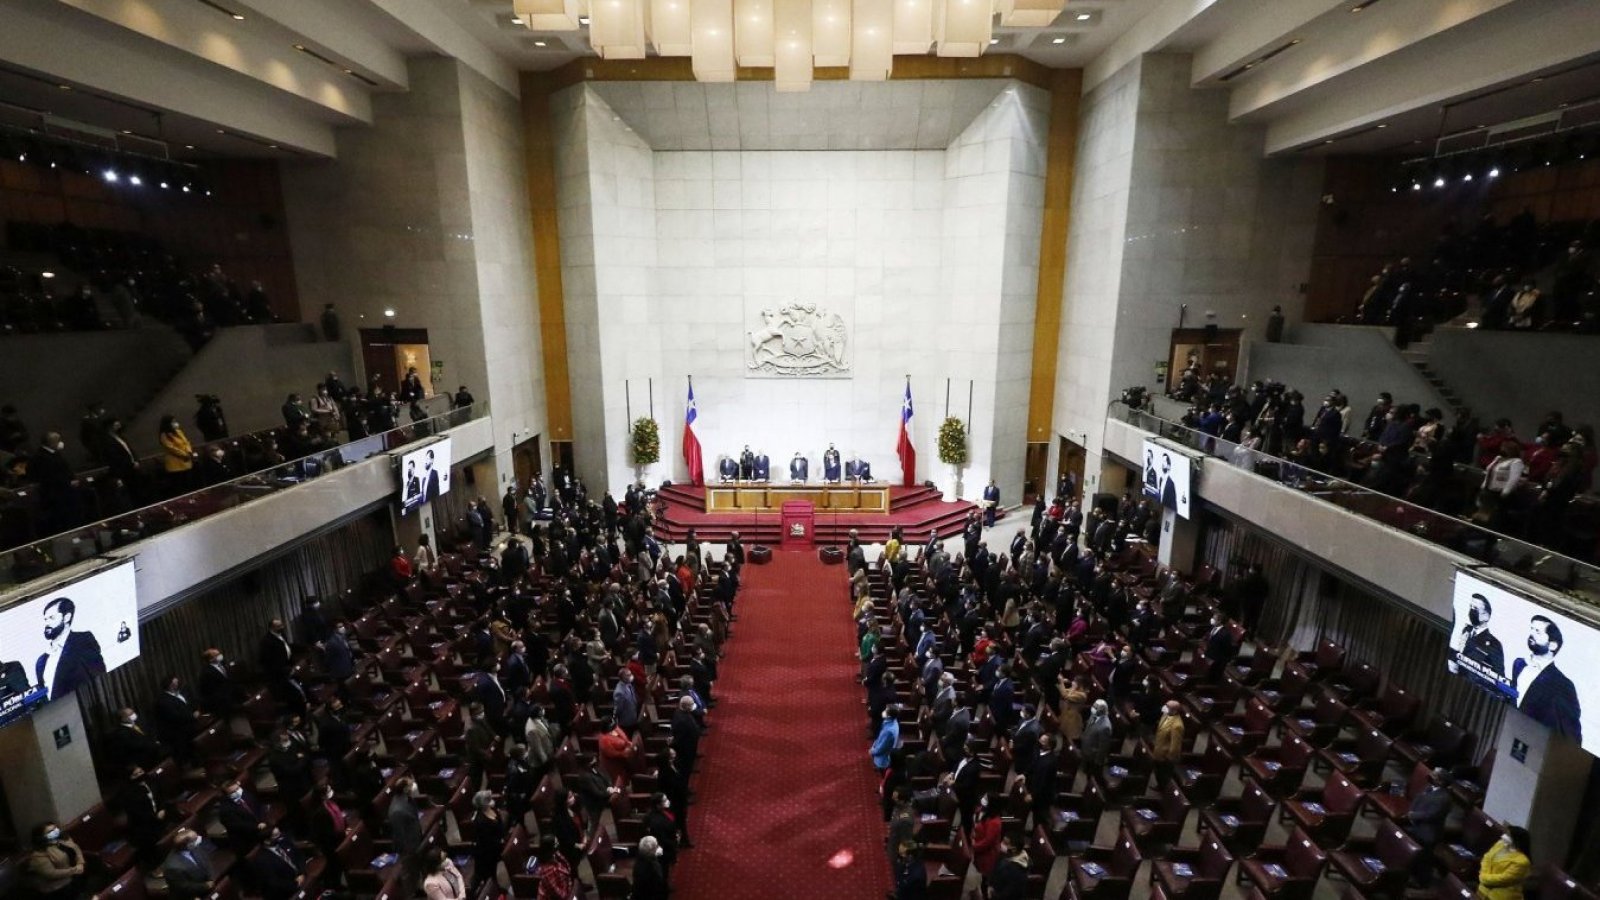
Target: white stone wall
426, 212
1172, 205
931, 255
508, 290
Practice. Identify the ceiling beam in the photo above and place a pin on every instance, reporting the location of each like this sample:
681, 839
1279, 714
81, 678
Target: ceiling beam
154, 75
259, 50
337, 30
1254, 32
428, 21
1522, 42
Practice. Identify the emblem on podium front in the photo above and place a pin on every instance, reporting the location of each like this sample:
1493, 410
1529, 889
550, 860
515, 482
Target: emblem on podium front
797, 529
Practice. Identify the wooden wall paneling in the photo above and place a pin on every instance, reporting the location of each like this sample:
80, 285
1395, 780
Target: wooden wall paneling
1066, 90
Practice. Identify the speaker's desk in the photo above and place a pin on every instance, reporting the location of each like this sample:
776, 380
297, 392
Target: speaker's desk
753, 497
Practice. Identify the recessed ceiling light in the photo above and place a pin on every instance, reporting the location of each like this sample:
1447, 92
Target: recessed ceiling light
1539, 79
1084, 17
993, 41
1328, 141
583, 20
237, 17
65, 87
222, 131
126, 131
1058, 40
388, 313
47, 274
1383, 124
188, 146
272, 146
540, 44
518, 20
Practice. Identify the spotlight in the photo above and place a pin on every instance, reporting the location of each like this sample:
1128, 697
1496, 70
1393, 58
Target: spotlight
163, 185
47, 274
1467, 177
1439, 182
110, 175
1058, 41
135, 180
186, 189
388, 314
1494, 172
1416, 186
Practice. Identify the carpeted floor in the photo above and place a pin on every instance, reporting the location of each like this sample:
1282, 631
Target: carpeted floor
787, 797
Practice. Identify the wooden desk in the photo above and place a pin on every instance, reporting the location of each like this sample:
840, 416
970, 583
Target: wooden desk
745, 497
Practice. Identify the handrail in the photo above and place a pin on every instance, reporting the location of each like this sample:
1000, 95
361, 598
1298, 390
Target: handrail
1574, 577
56, 552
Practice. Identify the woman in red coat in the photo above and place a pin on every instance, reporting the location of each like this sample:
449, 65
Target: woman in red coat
986, 837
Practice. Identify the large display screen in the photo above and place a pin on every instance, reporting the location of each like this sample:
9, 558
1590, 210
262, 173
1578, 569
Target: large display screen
1166, 477
1529, 654
424, 474
58, 639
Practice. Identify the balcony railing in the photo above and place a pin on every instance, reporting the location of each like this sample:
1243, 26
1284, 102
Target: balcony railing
1575, 577
30, 561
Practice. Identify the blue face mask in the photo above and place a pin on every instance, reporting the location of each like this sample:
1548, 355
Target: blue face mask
53, 834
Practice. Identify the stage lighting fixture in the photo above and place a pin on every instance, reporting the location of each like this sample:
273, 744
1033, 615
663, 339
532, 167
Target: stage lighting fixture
1438, 182
1494, 172
135, 180
111, 176
1467, 177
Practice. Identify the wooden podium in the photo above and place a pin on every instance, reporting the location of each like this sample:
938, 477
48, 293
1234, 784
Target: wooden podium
799, 525
747, 497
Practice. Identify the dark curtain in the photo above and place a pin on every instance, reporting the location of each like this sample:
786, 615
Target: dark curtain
1309, 604
233, 616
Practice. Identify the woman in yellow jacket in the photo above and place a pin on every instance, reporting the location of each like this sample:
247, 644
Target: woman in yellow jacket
177, 456
1505, 866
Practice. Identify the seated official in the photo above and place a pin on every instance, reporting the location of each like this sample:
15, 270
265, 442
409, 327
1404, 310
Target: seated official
728, 469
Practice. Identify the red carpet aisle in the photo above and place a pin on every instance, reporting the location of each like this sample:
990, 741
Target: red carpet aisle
787, 798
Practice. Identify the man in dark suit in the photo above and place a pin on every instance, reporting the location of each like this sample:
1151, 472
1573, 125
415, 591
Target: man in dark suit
799, 468
1169, 490
747, 463
220, 694
991, 503
1543, 691
176, 720
430, 479
279, 867
686, 731
338, 659
241, 818
275, 655
147, 820
129, 743
1478, 643
967, 770
1002, 700
188, 867
413, 485
72, 657
830, 465
1219, 648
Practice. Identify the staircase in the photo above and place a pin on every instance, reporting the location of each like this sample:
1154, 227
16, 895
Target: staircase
1417, 355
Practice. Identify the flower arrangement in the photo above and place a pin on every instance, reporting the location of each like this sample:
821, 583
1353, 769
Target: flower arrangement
646, 442
953, 442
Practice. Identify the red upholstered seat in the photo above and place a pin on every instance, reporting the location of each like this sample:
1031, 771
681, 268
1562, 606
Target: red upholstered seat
1287, 872
1192, 873
1104, 873
1381, 867
1326, 814
1240, 823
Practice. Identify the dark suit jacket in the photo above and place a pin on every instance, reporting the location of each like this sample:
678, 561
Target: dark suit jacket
80, 662
432, 490
1552, 700
1484, 648
186, 876
219, 694
405, 827
241, 819
1169, 495
139, 804
685, 734
275, 875
174, 719
273, 655
337, 657
129, 746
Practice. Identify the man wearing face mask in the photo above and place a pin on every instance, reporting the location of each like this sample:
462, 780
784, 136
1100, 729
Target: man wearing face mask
188, 867
1476, 643
1544, 691
241, 818
147, 819
649, 873
220, 695
129, 742
661, 824
71, 657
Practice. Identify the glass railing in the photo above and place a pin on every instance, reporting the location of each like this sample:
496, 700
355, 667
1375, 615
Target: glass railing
1574, 577
29, 561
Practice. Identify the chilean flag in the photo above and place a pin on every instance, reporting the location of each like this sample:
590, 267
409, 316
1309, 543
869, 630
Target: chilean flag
691, 444
908, 453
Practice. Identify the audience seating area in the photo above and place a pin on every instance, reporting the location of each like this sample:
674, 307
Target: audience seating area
421, 651
1297, 767
100, 278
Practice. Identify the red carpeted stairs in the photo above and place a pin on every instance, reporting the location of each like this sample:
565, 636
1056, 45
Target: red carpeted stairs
787, 796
